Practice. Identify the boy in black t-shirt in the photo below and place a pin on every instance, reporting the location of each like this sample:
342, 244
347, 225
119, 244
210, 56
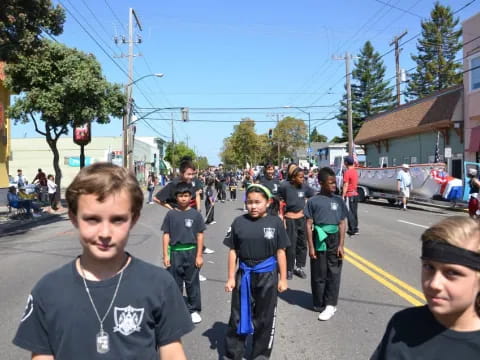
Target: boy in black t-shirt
105, 304
182, 248
325, 228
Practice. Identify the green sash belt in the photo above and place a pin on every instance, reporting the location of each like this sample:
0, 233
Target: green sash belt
322, 232
181, 247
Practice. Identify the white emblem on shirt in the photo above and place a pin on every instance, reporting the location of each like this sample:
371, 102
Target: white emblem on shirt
229, 232
301, 194
127, 319
275, 187
28, 308
334, 206
188, 223
269, 233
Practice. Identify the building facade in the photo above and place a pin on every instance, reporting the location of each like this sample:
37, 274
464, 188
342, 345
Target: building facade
4, 130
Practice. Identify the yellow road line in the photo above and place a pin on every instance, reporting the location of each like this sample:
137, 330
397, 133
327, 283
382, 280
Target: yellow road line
385, 274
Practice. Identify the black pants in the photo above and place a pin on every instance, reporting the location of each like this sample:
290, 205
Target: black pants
183, 269
352, 205
233, 194
264, 308
210, 213
297, 252
325, 273
221, 193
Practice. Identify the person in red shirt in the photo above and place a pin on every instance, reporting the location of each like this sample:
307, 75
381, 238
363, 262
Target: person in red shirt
350, 194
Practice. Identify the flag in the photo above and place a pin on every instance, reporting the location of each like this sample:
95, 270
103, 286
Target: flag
437, 156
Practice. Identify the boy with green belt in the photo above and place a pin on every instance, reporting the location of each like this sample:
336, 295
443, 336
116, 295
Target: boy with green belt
183, 229
325, 228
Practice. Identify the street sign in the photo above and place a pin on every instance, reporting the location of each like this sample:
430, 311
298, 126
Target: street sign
309, 150
448, 152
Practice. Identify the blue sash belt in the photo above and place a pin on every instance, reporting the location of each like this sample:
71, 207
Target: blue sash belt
245, 326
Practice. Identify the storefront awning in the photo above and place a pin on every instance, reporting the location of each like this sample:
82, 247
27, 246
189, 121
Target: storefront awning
475, 140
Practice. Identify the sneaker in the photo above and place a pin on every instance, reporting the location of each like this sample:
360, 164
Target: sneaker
300, 272
196, 318
289, 275
202, 278
207, 250
36, 215
213, 222
151, 202
327, 313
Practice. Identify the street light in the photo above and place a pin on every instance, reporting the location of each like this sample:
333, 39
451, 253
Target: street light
128, 159
309, 131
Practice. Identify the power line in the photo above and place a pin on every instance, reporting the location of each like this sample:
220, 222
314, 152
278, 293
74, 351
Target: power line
397, 8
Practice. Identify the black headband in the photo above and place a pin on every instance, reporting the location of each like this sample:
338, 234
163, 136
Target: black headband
446, 253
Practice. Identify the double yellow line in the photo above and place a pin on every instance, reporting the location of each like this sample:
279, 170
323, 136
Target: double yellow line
402, 289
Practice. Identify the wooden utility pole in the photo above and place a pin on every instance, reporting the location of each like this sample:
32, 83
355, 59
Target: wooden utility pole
173, 150
395, 42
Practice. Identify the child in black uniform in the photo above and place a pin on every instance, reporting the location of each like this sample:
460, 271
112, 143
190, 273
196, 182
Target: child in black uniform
210, 202
448, 327
182, 248
258, 241
326, 214
232, 185
105, 304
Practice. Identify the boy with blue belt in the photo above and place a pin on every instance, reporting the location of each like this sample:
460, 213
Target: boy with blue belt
325, 228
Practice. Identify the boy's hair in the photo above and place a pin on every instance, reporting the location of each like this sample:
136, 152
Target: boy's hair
183, 188
103, 179
186, 163
267, 165
324, 173
49, 176
459, 231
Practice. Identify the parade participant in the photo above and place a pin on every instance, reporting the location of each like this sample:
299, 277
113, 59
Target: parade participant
210, 202
105, 304
448, 327
183, 230
350, 194
294, 192
404, 184
220, 185
273, 184
473, 202
232, 186
258, 241
326, 214
246, 182
151, 182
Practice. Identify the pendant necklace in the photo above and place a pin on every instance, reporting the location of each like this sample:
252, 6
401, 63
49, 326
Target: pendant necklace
102, 340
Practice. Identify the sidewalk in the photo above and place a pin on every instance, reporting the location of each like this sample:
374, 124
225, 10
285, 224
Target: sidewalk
10, 224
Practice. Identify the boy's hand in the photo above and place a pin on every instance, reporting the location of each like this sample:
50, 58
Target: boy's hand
166, 261
199, 261
282, 286
312, 253
230, 285
340, 252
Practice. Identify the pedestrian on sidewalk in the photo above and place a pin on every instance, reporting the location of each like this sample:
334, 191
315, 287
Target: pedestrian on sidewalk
404, 184
326, 216
258, 241
183, 230
20, 179
210, 202
52, 192
350, 194
294, 192
448, 327
106, 303
151, 182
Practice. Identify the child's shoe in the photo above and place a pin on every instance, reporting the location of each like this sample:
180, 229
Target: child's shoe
300, 272
196, 318
327, 313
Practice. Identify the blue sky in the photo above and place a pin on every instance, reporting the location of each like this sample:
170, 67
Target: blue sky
236, 55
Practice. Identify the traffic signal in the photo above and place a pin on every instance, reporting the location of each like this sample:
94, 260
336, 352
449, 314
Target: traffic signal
270, 133
184, 111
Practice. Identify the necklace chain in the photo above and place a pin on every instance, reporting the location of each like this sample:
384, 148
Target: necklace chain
101, 320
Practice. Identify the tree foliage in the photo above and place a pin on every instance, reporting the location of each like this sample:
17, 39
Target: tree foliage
316, 137
202, 162
180, 150
437, 48
242, 146
371, 94
21, 24
61, 87
291, 133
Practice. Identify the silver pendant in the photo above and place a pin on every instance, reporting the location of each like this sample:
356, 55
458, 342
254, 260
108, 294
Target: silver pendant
103, 344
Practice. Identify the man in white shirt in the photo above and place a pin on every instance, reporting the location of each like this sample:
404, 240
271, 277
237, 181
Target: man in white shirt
20, 179
404, 184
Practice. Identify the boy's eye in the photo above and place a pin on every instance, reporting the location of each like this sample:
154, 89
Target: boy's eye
92, 220
427, 267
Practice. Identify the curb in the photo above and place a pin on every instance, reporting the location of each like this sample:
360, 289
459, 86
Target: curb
12, 227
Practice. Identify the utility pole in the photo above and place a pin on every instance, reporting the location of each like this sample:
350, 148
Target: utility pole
395, 41
347, 59
278, 144
173, 149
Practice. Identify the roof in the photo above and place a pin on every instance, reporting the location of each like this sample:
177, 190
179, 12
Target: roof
433, 112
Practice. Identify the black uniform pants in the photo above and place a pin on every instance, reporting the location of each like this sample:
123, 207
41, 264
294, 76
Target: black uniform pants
183, 269
325, 273
222, 194
297, 251
233, 194
264, 308
210, 211
352, 205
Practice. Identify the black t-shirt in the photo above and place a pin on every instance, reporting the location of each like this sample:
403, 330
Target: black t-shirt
273, 184
183, 226
256, 239
415, 334
326, 210
167, 193
148, 312
294, 196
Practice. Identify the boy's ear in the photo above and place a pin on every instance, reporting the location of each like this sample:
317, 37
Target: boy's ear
73, 218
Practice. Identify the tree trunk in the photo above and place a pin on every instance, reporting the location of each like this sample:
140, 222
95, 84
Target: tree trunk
52, 143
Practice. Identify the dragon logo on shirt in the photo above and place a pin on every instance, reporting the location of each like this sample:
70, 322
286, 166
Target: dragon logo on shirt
188, 223
127, 319
268, 233
28, 309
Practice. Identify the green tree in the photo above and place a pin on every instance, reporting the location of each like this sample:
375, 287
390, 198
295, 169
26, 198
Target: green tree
437, 48
371, 94
180, 150
242, 146
21, 24
61, 87
202, 162
291, 134
316, 137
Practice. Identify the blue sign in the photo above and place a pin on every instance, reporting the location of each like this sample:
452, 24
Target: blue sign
74, 161
309, 150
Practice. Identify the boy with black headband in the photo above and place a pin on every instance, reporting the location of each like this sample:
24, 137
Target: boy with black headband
105, 304
182, 248
448, 327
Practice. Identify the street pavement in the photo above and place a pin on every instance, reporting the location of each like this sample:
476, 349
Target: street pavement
380, 277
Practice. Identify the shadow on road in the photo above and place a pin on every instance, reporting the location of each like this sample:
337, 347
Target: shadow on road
411, 206
366, 302
22, 228
297, 297
215, 335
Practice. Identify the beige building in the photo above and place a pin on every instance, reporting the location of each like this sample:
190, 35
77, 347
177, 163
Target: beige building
4, 130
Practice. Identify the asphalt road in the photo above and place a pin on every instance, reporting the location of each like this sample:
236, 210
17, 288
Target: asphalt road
380, 277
